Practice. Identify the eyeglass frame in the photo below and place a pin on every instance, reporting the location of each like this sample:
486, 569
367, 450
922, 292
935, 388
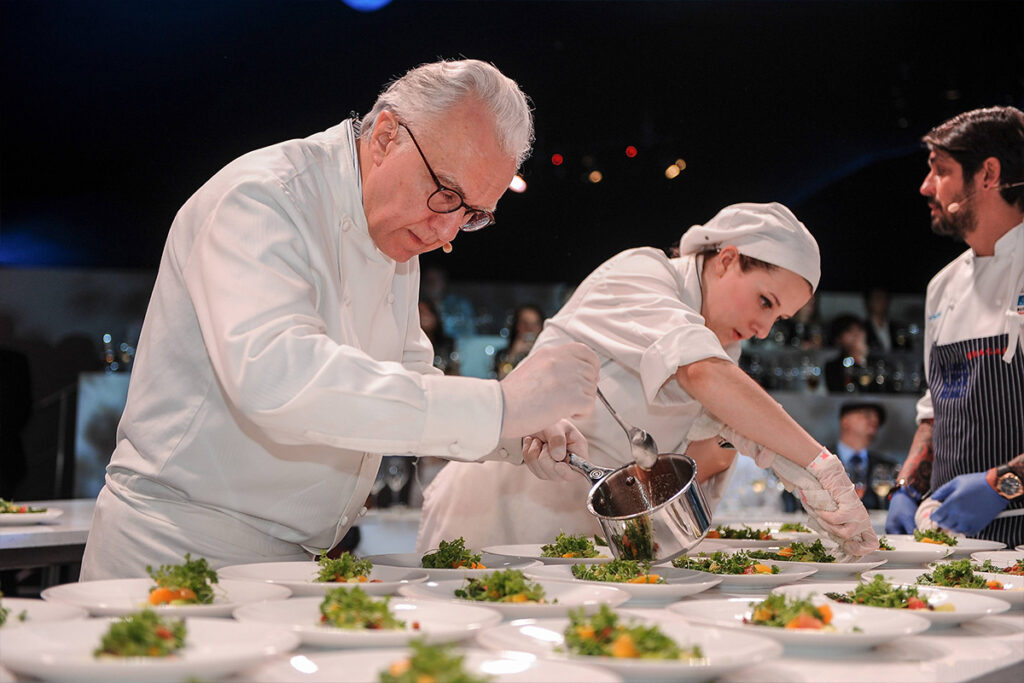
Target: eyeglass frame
444, 188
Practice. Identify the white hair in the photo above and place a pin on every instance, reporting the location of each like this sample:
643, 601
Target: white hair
428, 91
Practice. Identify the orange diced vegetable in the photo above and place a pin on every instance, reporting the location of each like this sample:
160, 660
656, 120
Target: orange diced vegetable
994, 585
787, 551
162, 596
826, 613
623, 647
805, 621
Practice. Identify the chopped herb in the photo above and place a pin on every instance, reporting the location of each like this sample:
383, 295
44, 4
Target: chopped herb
796, 527
452, 555
353, 608
502, 586
781, 611
725, 563
429, 663
343, 569
569, 546
934, 536
617, 571
796, 552
883, 544
956, 574
601, 635
143, 634
745, 533
880, 593
636, 541
182, 584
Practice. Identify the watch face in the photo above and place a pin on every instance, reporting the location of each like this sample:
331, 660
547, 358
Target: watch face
1009, 485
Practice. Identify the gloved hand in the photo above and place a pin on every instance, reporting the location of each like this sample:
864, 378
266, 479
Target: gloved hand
902, 508
968, 504
849, 521
554, 382
707, 426
545, 451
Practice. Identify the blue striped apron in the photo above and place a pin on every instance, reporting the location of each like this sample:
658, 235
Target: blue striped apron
979, 418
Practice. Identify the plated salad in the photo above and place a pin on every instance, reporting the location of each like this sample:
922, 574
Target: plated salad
566, 545
795, 527
508, 585
795, 552
429, 664
781, 611
1017, 568
745, 533
344, 569
957, 574
617, 571
452, 555
9, 506
935, 536
725, 563
353, 608
883, 544
190, 583
142, 634
881, 593
601, 635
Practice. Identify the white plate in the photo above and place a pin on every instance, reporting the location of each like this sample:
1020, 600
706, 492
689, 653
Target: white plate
1000, 558
26, 518
680, 582
964, 546
62, 651
116, 597
438, 623
744, 582
491, 561
568, 596
876, 627
908, 551
710, 545
500, 667
299, 577
533, 551
1020, 548
967, 607
723, 651
38, 611
824, 570
1012, 593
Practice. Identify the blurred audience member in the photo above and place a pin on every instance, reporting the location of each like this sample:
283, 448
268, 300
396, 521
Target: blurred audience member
527, 322
445, 358
805, 330
15, 411
456, 313
850, 370
884, 334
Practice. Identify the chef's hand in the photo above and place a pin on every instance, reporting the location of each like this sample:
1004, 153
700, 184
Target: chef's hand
554, 382
969, 503
545, 451
902, 509
849, 523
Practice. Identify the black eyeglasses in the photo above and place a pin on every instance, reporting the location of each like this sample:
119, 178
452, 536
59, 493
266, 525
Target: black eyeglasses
446, 200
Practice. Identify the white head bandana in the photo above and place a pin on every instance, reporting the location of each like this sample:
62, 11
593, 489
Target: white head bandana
768, 232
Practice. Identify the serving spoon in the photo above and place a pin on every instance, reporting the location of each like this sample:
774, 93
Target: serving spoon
641, 444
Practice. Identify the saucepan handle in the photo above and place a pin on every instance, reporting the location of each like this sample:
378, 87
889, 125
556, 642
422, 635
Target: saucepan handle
591, 472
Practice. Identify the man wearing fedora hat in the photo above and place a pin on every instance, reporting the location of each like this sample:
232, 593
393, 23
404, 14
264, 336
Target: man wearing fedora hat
859, 422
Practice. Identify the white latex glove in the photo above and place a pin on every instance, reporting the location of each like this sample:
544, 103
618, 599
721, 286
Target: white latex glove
554, 382
707, 426
849, 523
545, 451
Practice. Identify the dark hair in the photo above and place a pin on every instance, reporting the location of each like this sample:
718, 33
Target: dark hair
844, 323
514, 325
976, 135
746, 262
439, 338
851, 406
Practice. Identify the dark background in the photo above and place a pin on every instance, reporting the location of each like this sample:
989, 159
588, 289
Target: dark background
115, 112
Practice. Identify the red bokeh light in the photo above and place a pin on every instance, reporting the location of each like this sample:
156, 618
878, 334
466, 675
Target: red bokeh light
557, 159
631, 151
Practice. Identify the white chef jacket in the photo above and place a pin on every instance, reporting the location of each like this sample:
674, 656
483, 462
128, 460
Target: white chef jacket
280, 355
640, 312
975, 297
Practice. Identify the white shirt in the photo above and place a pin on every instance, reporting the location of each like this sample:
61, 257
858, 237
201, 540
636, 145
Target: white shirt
640, 312
975, 297
282, 353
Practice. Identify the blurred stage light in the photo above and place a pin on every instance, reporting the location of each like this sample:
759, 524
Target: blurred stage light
671, 172
595, 177
631, 151
366, 5
557, 159
681, 164
517, 184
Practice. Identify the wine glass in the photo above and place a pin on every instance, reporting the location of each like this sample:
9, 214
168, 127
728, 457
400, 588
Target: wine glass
378, 485
396, 476
883, 477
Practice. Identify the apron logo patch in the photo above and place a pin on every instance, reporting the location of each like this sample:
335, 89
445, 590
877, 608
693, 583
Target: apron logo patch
992, 351
1020, 304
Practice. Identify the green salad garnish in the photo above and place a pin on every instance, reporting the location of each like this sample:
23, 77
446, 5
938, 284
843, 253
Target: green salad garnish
601, 635
883, 544
9, 506
508, 585
955, 574
182, 584
354, 608
880, 593
429, 664
796, 527
452, 555
617, 571
934, 536
795, 552
725, 563
569, 546
745, 532
782, 611
142, 634
344, 568
987, 566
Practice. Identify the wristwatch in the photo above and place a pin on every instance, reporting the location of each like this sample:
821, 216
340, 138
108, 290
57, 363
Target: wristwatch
1008, 484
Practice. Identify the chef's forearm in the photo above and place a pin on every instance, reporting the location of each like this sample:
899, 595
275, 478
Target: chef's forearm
735, 399
917, 469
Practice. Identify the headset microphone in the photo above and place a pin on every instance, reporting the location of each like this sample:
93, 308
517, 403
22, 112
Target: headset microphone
447, 247
955, 206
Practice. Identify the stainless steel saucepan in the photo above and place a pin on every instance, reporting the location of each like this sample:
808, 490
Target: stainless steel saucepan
655, 514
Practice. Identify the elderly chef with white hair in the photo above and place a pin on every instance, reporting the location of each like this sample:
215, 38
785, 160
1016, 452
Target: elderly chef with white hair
667, 332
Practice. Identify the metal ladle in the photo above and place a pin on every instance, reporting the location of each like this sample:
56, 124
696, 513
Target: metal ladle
641, 444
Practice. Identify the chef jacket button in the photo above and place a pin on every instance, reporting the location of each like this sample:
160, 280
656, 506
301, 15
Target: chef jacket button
345, 225
454, 448
391, 298
362, 513
503, 453
344, 520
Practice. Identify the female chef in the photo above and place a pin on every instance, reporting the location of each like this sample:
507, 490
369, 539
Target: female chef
667, 332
